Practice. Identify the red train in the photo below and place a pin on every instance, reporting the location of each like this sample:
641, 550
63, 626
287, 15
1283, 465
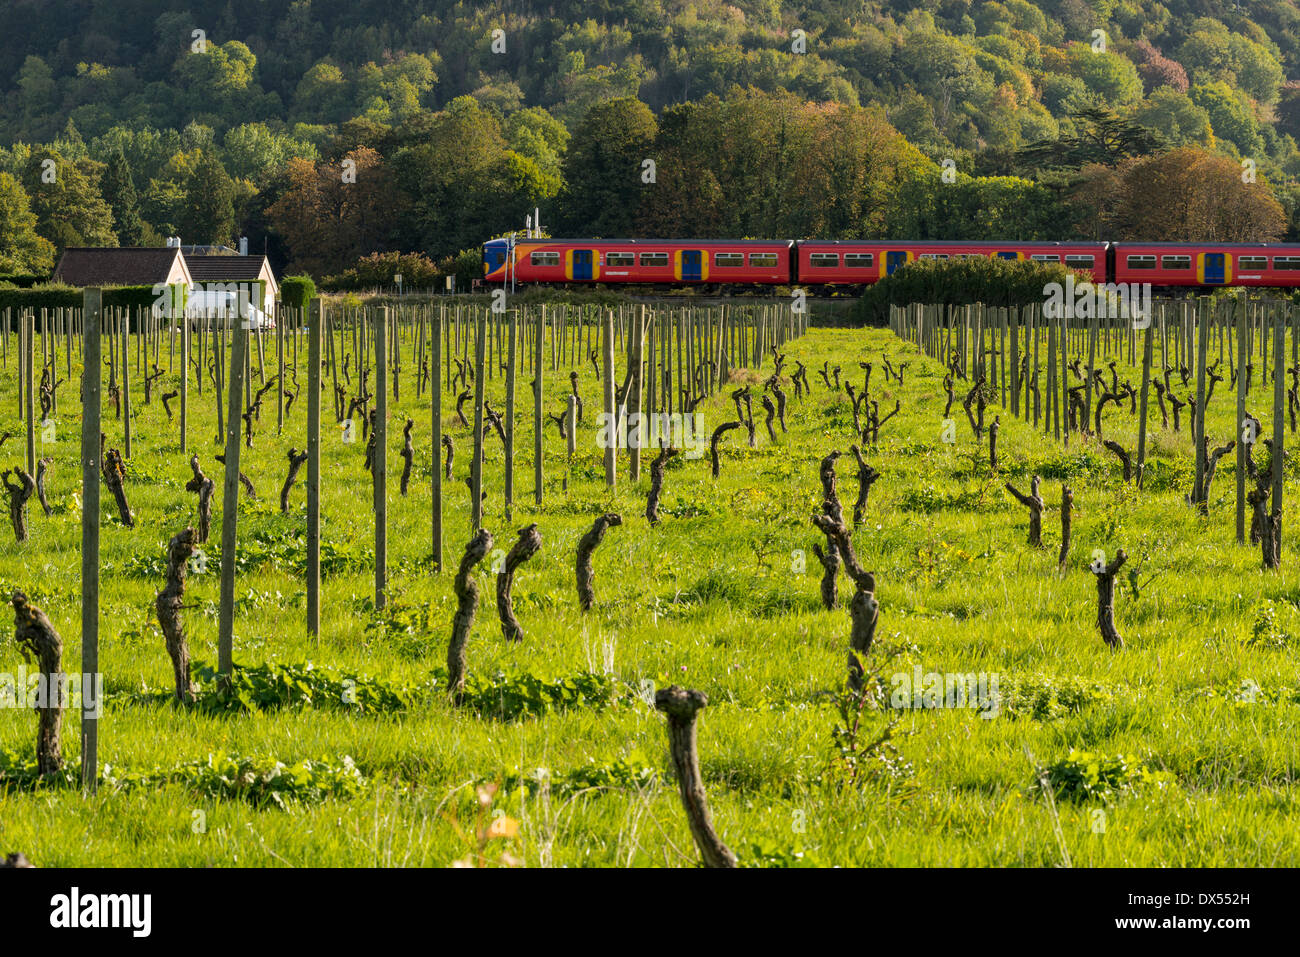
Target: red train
851, 265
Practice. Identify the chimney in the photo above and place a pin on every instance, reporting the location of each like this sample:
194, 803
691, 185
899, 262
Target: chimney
243, 245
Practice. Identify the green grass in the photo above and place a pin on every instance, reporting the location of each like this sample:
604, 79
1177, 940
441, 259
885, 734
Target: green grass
1184, 768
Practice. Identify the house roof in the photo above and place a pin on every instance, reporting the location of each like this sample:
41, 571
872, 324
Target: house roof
223, 268
109, 266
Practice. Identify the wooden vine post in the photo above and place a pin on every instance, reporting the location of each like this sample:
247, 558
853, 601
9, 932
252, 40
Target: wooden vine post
1198, 424
315, 316
436, 438
91, 312
1279, 455
611, 411
538, 342
1243, 447
476, 463
681, 706
511, 372
230, 503
1147, 348
184, 322
380, 472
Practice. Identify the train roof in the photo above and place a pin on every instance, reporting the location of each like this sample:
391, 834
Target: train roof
953, 242
659, 242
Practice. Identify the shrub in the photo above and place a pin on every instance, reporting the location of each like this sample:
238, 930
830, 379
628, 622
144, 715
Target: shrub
297, 291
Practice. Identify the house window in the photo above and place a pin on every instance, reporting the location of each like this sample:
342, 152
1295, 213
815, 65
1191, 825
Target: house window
1141, 262
762, 259
620, 259
544, 259
1252, 262
859, 260
654, 259
1079, 262
824, 260
728, 260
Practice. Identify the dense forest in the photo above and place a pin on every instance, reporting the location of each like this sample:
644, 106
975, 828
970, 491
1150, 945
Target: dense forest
328, 131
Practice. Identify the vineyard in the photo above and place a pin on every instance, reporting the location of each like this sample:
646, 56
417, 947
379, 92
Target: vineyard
429, 650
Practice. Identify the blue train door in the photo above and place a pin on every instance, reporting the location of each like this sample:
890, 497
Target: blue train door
1214, 269
1008, 255
582, 264
691, 269
894, 259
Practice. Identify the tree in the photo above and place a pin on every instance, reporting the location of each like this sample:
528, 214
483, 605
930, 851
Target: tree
332, 214
119, 192
207, 214
1185, 195
603, 169
66, 200
22, 248
1100, 137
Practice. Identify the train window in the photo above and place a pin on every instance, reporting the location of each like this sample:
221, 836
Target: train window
934, 255
1080, 262
823, 260
654, 259
1045, 258
1175, 262
1141, 262
1286, 262
762, 259
620, 259
859, 260
1252, 262
544, 259
728, 259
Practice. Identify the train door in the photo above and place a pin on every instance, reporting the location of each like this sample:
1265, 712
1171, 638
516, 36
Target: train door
582, 264
692, 269
1214, 272
894, 258
1007, 254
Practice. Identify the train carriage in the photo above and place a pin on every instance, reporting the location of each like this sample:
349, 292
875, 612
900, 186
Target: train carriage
639, 261
1275, 265
861, 263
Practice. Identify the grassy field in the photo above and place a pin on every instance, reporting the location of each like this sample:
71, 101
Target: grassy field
1178, 750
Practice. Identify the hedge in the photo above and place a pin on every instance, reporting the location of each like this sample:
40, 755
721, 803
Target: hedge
58, 296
